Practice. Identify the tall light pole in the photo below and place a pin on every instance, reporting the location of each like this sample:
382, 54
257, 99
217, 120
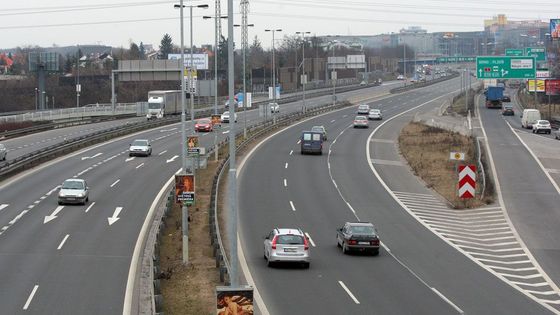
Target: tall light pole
244, 45
304, 76
185, 213
78, 86
273, 69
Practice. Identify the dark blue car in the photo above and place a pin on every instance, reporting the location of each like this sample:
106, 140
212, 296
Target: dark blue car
311, 142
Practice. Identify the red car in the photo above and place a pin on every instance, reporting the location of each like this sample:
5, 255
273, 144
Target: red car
203, 125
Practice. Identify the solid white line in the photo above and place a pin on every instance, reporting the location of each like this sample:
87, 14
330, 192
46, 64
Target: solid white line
348, 291
113, 184
63, 241
292, 205
285, 183
310, 240
90, 206
448, 301
30, 297
385, 247
139, 166
162, 152
284, 167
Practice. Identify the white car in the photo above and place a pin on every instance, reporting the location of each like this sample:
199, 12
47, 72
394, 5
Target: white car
361, 122
363, 109
542, 126
225, 117
73, 190
274, 107
3, 152
286, 245
400, 77
375, 114
140, 147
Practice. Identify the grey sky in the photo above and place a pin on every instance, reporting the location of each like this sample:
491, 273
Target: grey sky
26, 22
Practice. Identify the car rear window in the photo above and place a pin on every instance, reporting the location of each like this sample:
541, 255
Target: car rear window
306, 136
290, 240
140, 142
369, 230
316, 137
204, 121
311, 137
363, 107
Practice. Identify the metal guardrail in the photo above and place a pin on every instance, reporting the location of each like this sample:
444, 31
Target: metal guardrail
423, 84
75, 112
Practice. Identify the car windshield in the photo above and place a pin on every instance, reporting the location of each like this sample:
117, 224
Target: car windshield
154, 105
362, 229
72, 184
140, 143
290, 240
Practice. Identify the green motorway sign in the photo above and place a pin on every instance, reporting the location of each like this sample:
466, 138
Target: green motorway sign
455, 59
539, 53
505, 67
514, 52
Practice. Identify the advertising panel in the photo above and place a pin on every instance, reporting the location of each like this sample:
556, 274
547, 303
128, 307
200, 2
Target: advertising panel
531, 85
356, 61
184, 189
192, 145
554, 28
216, 119
234, 300
552, 87
200, 61
543, 74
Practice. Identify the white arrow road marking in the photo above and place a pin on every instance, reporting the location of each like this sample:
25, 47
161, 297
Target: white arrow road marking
310, 240
2, 206
116, 182
130, 159
162, 152
63, 241
90, 206
30, 297
115, 217
172, 159
139, 166
91, 157
51, 217
348, 291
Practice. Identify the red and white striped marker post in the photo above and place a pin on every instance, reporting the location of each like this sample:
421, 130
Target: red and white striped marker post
467, 181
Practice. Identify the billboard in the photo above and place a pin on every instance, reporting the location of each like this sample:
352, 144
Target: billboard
543, 74
184, 189
234, 300
356, 61
554, 28
552, 87
192, 145
531, 85
200, 61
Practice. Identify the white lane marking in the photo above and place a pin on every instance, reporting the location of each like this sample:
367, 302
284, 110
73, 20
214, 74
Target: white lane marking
344, 116
348, 291
385, 247
284, 167
292, 205
162, 152
51, 217
224, 132
26, 306
310, 239
116, 182
443, 297
299, 141
139, 166
130, 159
285, 182
333, 121
115, 216
291, 152
172, 159
90, 206
63, 241
3, 206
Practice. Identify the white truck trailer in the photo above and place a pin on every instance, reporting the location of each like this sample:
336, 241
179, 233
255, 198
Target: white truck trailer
163, 103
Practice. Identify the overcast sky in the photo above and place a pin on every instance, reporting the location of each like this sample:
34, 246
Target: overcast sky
117, 23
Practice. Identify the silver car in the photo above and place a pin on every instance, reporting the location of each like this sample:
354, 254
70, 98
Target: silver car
375, 114
140, 147
286, 245
363, 109
73, 190
3, 152
274, 107
361, 122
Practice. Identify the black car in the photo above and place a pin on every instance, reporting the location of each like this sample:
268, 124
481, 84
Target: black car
358, 236
506, 98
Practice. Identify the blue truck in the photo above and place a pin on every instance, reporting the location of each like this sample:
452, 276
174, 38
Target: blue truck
494, 96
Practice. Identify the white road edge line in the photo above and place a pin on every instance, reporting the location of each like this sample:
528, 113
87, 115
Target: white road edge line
26, 306
90, 206
348, 291
63, 241
443, 297
138, 248
292, 205
310, 239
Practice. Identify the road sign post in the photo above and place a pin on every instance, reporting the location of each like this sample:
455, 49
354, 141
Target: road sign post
505, 67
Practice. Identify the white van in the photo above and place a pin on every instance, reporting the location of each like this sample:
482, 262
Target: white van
530, 117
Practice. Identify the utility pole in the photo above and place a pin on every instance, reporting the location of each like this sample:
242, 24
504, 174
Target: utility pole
244, 44
304, 76
78, 86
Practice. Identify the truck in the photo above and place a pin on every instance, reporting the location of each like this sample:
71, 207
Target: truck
494, 96
163, 103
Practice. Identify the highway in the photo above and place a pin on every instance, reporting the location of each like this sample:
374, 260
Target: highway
416, 271
70, 259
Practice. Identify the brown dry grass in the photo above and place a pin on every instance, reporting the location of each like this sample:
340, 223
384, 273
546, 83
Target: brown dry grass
427, 151
190, 289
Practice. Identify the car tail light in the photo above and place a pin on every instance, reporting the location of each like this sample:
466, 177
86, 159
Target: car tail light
375, 242
305, 243
352, 242
274, 242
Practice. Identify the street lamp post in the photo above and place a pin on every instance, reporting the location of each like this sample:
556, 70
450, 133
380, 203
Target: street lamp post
273, 71
36, 104
244, 43
185, 213
304, 76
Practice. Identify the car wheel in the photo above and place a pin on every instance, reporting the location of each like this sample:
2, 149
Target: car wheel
60, 203
269, 263
375, 252
337, 241
306, 265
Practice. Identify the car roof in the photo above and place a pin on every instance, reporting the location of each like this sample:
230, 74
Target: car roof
323, 127
363, 105
360, 117
75, 180
293, 231
359, 223
544, 121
